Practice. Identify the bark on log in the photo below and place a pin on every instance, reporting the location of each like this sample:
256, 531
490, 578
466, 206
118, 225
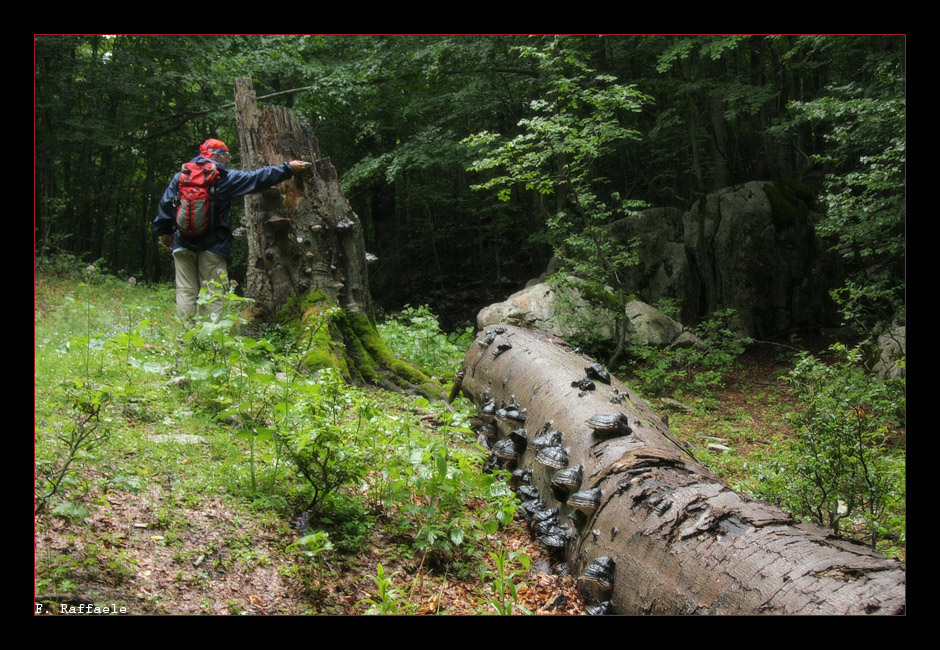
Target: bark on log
303, 236
681, 540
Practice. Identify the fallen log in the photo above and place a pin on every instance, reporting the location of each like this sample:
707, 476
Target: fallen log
671, 537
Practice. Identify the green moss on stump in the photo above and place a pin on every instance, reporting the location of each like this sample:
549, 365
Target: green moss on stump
349, 342
292, 314
376, 355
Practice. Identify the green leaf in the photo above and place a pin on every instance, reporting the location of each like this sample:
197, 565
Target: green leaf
71, 511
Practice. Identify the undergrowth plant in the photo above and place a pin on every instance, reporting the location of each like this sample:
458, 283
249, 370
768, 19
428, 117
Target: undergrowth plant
442, 481
270, 400
274, 436
312, 548
388, 599
414, 333
508, 567
337, 438
699, 368
323, 434
846, 468
75, 441
235, 369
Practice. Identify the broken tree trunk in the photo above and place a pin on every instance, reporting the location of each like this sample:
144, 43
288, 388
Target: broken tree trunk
680, 540
306, 253
303, 236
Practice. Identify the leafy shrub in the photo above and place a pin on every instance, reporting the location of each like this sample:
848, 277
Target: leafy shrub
442, 482
342, 440
71, 444
702, 369
61, 263
845, 470
347, 520
310, 569
429, 481
415, 334
322, 436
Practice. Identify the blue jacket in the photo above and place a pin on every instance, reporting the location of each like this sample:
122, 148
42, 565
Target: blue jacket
232, 184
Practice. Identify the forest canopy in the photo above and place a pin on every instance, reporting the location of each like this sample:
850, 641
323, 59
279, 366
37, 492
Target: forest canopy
116, 115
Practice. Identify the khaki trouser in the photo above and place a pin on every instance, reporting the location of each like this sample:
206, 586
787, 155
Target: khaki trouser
193, 271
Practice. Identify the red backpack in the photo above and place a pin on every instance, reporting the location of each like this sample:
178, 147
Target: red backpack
194, 213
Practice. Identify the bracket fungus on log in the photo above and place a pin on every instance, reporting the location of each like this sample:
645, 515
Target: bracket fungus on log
672, 536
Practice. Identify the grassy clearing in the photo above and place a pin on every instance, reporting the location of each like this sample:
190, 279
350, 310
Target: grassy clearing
199, 470
187, 470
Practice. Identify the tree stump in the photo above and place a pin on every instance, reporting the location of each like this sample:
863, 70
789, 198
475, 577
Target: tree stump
306, 253
303, 236
679, 540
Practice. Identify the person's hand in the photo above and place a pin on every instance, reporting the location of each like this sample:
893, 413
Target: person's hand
167, 242
298, 166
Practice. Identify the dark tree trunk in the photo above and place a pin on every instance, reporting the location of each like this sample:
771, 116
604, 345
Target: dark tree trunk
681, 541
306, 252
720, 144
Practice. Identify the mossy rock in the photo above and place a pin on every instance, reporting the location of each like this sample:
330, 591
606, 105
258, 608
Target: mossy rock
788, 202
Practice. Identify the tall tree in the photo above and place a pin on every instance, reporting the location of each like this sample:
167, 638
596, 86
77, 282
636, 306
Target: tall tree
558, 157
860, 119
114, 116
393, 111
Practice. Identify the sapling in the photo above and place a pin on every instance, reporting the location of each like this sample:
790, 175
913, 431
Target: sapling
844, 465
78, 437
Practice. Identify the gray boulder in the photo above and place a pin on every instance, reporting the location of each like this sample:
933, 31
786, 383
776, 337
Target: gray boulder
540, 307
893, 348
751, 248
649, 326
565, 313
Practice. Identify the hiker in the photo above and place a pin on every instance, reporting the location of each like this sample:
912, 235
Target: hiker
193, 218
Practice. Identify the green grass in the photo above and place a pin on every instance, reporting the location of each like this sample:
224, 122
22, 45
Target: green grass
168, 501
167, 497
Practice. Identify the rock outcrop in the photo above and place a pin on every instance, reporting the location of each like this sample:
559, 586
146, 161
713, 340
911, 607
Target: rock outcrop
751, 248
565, 313
892, 349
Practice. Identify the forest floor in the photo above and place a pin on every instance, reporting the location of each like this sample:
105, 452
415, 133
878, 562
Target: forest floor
746, 414
224, 561
153, 553
158, 517
150, 550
